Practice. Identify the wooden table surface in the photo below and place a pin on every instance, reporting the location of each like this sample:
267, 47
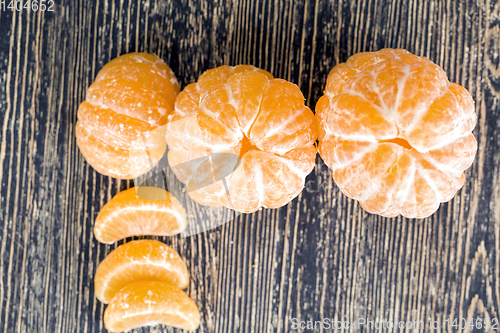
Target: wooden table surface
321, 256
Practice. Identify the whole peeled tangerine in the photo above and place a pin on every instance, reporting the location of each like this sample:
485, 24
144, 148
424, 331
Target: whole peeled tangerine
238, 137
120, 124
395, 132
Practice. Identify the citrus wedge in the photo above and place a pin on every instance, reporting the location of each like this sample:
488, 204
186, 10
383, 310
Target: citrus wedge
154, 212
139, 260
149, 303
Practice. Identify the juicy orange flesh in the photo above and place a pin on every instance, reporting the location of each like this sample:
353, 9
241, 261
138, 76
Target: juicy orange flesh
127, 214
400, 142
135, 261
246, 146
146, 303
393, 93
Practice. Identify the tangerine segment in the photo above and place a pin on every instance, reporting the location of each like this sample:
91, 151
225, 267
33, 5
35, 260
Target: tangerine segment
115, 129
131, 97
149, 303
155, 212
136, 261
285, 173
242, 111
396, 132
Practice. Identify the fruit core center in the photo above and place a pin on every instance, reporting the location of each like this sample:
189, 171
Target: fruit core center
400, 142
246, 145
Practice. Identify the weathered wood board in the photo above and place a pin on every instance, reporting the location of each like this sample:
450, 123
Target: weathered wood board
321, 256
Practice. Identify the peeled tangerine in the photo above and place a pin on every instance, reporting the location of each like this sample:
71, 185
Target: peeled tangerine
396, 132
130, 98
240, 138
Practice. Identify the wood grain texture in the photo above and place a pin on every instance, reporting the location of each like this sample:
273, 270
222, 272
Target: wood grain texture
321, 256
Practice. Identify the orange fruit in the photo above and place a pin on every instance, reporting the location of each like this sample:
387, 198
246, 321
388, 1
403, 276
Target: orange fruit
131, 96
149, 303
396, 132
241, 111
135, 261
155, 212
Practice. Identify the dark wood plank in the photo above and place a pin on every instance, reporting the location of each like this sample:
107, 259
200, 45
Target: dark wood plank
321, 256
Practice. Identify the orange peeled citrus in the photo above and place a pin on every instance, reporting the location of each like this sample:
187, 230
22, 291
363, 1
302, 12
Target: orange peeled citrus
396, 132
135, 261
155, 212
131, 96
149, 303
241, 112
